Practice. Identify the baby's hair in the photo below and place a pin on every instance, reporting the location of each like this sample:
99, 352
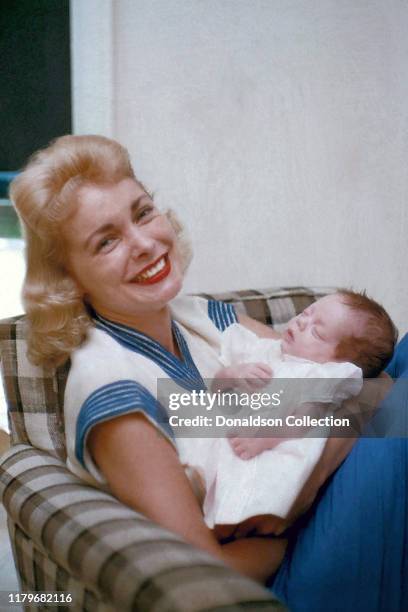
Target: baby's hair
373, 349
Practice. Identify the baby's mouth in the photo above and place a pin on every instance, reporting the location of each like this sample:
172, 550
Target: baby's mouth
153, 273
288, 335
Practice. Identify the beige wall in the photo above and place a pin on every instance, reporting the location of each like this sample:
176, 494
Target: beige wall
277, 128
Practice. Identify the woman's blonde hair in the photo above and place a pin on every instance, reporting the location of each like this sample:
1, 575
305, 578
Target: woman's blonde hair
44, 195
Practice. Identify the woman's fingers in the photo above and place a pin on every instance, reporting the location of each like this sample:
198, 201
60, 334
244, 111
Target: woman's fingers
265, 524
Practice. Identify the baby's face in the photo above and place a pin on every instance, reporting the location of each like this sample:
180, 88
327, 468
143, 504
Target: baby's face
317, 331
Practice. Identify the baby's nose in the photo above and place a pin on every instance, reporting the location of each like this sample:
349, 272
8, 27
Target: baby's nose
301, 322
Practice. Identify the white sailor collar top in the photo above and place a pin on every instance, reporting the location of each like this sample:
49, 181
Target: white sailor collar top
115, 372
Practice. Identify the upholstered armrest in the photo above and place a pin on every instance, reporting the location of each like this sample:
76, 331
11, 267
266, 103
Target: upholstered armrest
117, 553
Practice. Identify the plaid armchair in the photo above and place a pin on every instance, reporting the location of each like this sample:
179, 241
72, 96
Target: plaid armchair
68, 536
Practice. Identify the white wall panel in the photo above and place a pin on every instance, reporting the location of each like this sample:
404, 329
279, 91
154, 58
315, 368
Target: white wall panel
279, 130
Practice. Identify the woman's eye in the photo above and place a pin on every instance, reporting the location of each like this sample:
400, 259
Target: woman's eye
105, 244
145, 211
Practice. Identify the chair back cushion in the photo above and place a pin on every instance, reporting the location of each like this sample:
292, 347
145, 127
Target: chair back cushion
273, 306
35, 396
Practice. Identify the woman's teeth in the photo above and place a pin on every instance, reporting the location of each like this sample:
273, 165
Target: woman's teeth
152, 271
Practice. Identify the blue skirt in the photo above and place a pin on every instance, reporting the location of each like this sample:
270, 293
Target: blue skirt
350, 552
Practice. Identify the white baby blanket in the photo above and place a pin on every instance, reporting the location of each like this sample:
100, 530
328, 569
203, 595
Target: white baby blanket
269, 483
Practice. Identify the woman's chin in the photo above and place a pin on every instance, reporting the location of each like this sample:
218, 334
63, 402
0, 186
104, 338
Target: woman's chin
166, 290
170, 294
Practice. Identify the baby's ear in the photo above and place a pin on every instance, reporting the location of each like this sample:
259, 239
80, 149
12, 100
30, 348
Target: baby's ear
183, 241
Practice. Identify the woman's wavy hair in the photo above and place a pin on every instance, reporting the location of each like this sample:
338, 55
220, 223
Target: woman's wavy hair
44, 195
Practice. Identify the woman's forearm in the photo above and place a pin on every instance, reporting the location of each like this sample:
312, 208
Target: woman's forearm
143, 471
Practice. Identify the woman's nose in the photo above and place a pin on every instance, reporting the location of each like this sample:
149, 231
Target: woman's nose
140, 241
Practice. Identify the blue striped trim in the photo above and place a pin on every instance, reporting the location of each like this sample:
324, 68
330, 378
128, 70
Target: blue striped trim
113, 400
221, 314
184, 373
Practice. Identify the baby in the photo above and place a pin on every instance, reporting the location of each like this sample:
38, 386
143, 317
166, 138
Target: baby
343, 327
338, 338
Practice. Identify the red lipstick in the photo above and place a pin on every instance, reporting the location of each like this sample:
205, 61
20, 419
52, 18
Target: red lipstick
165, 271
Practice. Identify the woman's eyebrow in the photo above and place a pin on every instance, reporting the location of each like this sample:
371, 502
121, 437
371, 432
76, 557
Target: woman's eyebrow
106, 227
101, 230
136, 203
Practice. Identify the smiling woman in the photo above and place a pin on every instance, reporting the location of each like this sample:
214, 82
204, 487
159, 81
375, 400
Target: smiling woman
103, 268
129, 266
69, 198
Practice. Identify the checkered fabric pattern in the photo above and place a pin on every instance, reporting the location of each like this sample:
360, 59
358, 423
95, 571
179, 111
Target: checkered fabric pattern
272, 306
70, 537
34, 395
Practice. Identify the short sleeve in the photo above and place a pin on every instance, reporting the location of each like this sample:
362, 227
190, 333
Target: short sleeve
221, 314
111, 401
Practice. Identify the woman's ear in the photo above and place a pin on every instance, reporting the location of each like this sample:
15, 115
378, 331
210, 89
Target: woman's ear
183, 241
